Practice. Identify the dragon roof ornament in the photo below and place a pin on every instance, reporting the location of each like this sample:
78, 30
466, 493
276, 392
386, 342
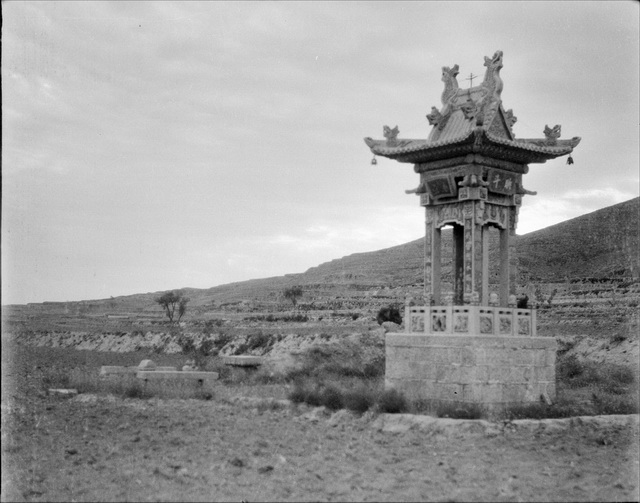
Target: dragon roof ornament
474, 112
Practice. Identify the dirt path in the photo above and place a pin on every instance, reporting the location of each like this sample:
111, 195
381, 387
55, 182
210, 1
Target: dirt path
107, 449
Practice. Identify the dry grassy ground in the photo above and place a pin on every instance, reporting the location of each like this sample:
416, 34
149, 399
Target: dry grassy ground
101, 448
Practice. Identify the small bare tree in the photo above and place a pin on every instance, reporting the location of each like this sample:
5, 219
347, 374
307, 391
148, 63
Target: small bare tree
292, 294
172, 300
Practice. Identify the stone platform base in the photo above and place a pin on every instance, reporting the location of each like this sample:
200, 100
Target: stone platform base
488, 370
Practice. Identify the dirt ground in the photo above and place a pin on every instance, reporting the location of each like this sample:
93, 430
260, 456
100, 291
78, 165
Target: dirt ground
239, 447
93, 448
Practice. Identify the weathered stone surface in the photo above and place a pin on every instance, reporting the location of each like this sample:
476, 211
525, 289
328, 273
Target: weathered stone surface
242, 360
146, 365
106, 370
183, 375
473, 369
400, 423
390, 326
64, 393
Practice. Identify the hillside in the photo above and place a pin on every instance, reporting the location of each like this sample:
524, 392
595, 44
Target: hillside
602, 244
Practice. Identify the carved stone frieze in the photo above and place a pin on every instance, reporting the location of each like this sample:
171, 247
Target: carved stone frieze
448, 214
498, 215
480, 205
499, 163
445, 163
473, 180
441, 186
475, 193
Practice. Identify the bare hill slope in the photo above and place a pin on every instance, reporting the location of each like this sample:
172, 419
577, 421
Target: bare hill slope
602, 244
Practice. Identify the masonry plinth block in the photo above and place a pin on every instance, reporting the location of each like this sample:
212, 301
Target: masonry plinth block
489, 370
178, 375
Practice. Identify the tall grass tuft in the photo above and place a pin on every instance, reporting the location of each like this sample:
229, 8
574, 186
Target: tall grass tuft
392, 401
360, 399
461, 410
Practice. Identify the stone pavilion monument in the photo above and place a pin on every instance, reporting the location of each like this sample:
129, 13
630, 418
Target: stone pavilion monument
477, 345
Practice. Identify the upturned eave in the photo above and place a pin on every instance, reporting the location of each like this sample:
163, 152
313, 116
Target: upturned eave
477, 141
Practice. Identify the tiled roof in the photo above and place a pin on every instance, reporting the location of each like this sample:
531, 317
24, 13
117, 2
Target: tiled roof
476, 140
472, 120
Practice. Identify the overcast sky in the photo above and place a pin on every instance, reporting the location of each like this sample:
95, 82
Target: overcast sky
149, 146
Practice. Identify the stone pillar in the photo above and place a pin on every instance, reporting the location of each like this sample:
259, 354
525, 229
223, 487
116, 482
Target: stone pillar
469, 255
477, 252
484, 296
458, 264
505, 260
436, 252
428, 260
432, 259
513, 256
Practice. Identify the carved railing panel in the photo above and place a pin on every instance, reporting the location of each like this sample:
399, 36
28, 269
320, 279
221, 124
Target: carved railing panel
470, 320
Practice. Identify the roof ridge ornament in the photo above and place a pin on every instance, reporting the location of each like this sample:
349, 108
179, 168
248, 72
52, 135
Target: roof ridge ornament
448, 98
390, 134
552, 135
472, 121
492, 80
450, 84
491, 88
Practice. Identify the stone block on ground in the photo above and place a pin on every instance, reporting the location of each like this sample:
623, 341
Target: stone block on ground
179, 375
390, 326
63, 393
107, 370
147, 365
242, 360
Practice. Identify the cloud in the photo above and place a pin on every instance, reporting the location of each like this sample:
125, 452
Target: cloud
192, 143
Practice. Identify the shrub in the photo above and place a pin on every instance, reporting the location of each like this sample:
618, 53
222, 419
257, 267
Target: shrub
393, 402
222, 340
607, 404
618, 337
541, 410
569, 367
303, 392
331, 398
360, 399
215, 322
389, 313
375, 367
258, 340
135, 390
297, 394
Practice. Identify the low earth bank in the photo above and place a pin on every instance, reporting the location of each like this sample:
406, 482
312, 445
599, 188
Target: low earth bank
103, 448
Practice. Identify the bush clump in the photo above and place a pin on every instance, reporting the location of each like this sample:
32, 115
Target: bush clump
389, 313
360, 399
392, 401
331, 397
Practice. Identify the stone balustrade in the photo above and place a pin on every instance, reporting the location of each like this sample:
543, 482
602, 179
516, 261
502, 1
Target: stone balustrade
470, 320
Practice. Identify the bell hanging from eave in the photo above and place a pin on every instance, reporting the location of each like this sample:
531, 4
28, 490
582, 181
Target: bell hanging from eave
374, 160
569, 160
